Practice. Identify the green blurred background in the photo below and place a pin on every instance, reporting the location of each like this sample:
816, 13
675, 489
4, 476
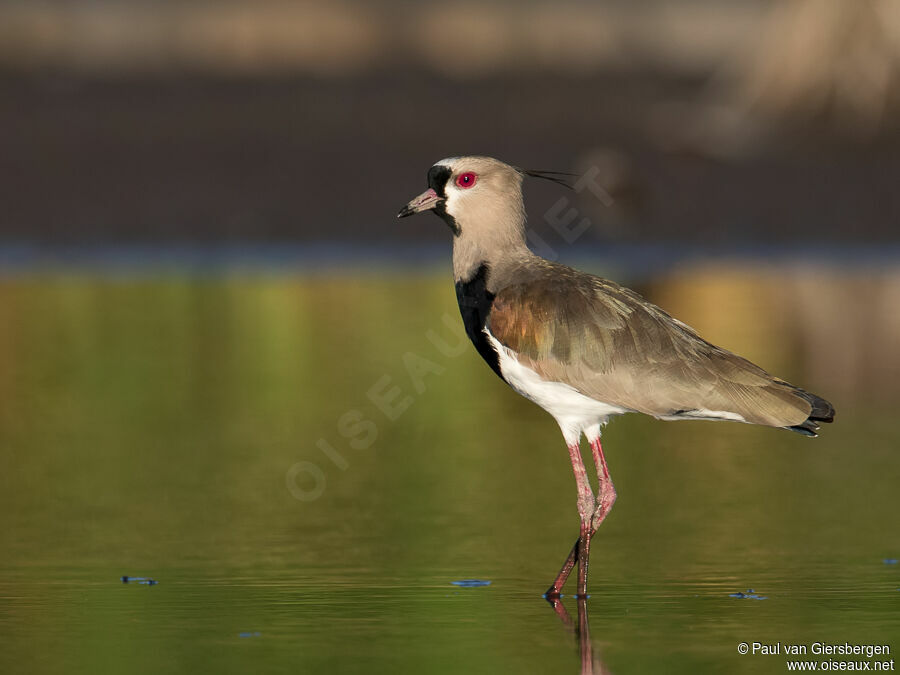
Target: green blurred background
204, 292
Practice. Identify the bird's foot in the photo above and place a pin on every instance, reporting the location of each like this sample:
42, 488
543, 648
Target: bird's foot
553, 594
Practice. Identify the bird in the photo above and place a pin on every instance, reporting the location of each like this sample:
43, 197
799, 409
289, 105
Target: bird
584, 348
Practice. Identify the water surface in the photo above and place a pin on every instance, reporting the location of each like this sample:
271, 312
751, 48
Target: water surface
307, 463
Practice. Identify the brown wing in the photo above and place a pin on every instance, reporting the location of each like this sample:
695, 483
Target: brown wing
612, 345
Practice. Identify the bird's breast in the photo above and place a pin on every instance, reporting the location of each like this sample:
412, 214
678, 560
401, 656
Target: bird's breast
475, 303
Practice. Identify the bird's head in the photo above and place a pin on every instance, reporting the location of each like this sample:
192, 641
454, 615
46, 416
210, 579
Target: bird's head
472, 192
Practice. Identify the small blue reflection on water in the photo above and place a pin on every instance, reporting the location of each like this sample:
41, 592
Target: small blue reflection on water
749, 595
890, 561
145, 581
471, 583
249, 634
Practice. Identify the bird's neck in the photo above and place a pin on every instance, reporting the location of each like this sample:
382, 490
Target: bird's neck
470, 254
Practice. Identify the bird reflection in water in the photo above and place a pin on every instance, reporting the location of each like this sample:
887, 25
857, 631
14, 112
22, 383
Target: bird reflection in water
591, 663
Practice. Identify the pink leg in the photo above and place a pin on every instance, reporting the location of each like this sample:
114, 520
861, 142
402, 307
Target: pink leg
606, 497
555, 589
606, 491
586, 508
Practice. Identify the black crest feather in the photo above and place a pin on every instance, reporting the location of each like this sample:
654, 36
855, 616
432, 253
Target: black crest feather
560, 177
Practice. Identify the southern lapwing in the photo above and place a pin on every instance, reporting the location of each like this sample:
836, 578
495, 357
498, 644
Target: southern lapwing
584, 348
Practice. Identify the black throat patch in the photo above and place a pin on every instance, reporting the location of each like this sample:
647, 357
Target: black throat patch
437, 180
475, 306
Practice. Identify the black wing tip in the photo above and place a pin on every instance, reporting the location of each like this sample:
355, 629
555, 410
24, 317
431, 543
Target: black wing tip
808, 428
822, 411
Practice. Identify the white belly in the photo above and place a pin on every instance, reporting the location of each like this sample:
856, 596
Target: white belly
574, 412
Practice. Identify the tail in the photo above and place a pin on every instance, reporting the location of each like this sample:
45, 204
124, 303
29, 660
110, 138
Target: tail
822, 411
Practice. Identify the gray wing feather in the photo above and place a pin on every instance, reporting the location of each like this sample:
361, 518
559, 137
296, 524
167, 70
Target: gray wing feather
612, 345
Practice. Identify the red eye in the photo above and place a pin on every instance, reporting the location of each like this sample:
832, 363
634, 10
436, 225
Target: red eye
466, 180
